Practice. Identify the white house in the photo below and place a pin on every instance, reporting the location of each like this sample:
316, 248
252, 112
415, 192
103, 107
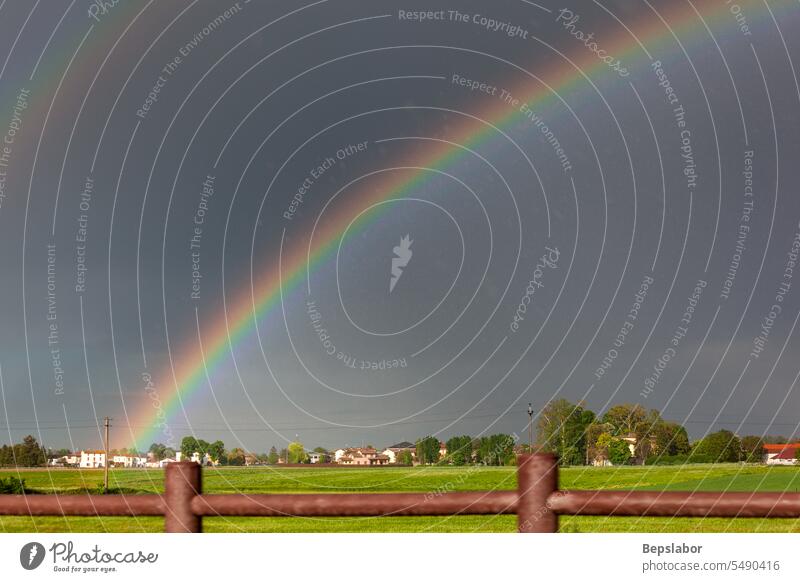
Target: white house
362, 456
780, 454
393, 451
92, 459
128, 461
152, 463
159, 464
195, 457
314, 457
71, 460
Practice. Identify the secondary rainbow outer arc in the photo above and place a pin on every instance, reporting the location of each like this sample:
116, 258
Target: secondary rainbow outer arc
46, 83
48, 75
189, 374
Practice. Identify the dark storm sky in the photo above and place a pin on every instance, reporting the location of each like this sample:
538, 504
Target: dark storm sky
701, 207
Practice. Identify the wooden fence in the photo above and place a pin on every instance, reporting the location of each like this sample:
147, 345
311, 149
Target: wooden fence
537, 501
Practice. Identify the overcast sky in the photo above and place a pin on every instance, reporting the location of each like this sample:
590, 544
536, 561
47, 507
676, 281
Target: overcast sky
597, 207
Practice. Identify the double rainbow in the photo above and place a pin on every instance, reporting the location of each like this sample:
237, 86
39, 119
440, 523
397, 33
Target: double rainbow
189, 371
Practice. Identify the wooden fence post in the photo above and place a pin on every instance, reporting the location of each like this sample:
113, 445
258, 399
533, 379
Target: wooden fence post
181, 483
537, 479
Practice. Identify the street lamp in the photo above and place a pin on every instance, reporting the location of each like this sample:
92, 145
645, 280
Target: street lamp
530, 428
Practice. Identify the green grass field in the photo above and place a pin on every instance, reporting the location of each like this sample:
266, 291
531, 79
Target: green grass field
422, 479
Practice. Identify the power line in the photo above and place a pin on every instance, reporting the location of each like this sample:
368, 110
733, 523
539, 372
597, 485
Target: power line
289, 428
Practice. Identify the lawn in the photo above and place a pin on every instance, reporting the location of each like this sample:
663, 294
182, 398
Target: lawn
730, 477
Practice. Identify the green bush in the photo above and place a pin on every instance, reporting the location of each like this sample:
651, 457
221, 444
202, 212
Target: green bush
12, 486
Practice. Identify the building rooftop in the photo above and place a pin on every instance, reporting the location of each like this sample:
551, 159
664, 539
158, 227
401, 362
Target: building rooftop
403, 445
776, 448
786, 454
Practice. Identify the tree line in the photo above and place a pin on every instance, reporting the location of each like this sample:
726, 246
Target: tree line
496, 449
218, 454
633, 434
28, 453
624, 434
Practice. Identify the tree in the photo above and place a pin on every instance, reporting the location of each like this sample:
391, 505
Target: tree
719, 447
202, 448
273, 456
625, 419
646, 427
236, 457
28, 453
216, 451
191, 445
158, 451
188, 446
404, 458
599, 443
297, 453
752, 449
496, 449
33, 454
596, 448
619, 451
562, 429
671, 439
459, 450
504, 445
428, 450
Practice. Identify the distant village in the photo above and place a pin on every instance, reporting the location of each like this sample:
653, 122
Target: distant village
625, 434
404, 453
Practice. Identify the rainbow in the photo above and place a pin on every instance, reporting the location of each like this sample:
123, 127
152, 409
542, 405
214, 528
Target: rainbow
67, 55
189, 371
46, 79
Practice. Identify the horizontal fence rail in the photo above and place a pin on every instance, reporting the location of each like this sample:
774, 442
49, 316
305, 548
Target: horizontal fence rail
358, 504
675, 504
82, 505
537, 502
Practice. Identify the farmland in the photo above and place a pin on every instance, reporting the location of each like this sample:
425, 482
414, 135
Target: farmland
717, 477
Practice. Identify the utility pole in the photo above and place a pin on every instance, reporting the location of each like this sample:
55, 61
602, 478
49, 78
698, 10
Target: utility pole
530, 428
106, 424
